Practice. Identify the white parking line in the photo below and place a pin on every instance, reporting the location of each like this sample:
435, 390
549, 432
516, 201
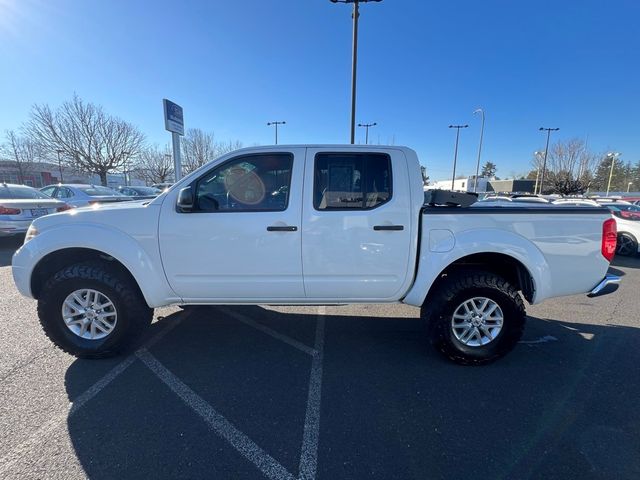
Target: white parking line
42, 433
252, 323
243, 444
309, 454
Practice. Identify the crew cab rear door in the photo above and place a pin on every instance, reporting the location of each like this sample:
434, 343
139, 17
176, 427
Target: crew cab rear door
356, 224
241, 241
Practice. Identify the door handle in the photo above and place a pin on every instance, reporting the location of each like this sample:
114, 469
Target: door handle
274, 228
393, 228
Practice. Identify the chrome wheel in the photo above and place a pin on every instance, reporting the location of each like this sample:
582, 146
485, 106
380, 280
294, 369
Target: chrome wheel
89, 314
477, 321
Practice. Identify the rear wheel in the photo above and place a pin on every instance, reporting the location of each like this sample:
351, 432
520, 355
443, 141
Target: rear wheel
92, 310
474, 317
627, 245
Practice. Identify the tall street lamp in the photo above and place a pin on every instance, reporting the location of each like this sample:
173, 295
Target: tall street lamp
276, 125
475, 184
354, 62
613, 157
546, 150
455, 153
366, 126
537, 155
60, 165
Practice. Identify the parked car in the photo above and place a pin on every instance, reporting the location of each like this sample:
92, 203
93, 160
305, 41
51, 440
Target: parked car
20, 204
311, 225
162, 186
529, 199
81, 195
139, 193
628, 220
576, 202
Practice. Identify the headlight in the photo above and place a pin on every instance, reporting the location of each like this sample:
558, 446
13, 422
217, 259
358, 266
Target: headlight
31, 232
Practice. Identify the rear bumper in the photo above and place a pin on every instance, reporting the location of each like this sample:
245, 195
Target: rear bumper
13, 227
608, 284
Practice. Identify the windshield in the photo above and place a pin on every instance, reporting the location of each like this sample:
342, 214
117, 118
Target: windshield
99, 191
23, 193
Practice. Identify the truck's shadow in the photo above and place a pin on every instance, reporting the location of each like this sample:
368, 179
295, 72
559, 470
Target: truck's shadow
564, 406
627, 262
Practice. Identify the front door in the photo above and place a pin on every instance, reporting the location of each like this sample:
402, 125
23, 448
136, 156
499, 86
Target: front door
242, 239
356, 227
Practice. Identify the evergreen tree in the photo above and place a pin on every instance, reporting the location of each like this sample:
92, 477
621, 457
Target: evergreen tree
489, 169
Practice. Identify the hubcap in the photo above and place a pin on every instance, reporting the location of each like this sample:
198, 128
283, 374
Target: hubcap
477, 321
89, 314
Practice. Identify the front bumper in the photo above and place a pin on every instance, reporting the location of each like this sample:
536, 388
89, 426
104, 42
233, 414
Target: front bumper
22, 265
607, 285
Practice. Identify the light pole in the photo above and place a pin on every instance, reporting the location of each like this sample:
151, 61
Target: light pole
455, 153
60, 165
276, 125
475, 184
546, 150
366, 126
613, 157
537, 154
354, 61
629, 186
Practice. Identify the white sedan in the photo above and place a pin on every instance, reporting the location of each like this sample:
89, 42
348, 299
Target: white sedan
81, 195
20, 204
628, 221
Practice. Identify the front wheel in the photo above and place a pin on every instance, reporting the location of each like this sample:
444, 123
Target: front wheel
92, 310
474, 317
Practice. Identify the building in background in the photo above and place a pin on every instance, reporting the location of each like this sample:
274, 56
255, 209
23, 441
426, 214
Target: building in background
461, 184
41, 174
485, 184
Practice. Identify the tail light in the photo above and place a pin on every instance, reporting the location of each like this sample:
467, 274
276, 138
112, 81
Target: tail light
63, 208
609, 239
9, 211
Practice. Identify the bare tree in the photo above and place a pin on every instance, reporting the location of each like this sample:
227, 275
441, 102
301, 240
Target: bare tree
22, 151
570, 167
154, 165
223, 148
199, 147
94, 141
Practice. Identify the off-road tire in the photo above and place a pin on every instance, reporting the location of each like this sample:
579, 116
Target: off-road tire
134, 316
454, 289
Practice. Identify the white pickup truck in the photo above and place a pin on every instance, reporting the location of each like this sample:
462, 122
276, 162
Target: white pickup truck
309, 225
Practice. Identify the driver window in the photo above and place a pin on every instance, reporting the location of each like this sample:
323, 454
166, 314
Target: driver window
251, 183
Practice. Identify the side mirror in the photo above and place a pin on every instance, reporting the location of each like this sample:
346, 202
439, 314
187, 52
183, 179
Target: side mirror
185, 200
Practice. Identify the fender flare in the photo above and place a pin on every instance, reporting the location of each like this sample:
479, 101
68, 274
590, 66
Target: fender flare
147, 272
469, 242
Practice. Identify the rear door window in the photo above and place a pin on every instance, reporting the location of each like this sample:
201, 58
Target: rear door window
351, 181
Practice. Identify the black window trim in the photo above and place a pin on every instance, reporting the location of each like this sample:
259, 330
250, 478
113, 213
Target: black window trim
351, 209
194, 184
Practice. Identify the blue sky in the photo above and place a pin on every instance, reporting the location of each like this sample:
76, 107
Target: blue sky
233, 66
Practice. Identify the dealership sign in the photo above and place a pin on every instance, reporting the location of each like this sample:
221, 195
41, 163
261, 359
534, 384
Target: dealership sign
173, 117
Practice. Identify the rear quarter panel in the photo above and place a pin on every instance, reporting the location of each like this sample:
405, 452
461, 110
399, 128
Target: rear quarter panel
560, 250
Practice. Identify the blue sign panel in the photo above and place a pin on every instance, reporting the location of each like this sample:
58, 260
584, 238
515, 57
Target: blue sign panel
173, 117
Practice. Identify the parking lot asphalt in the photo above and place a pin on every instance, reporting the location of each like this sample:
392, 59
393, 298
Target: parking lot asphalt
327, 393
